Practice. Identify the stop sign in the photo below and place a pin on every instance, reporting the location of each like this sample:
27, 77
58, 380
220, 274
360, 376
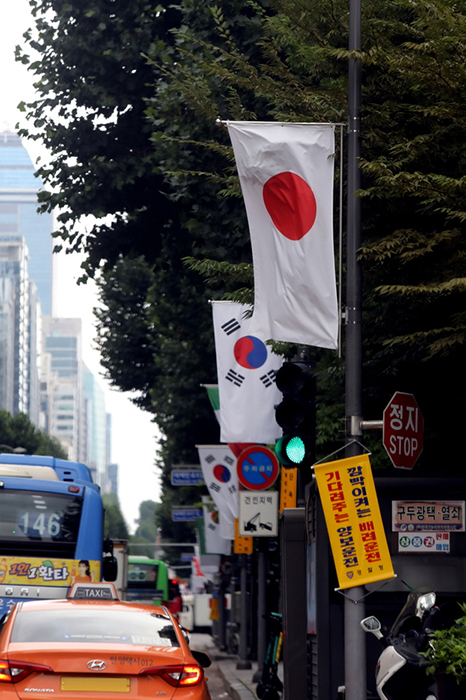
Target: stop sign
403, 430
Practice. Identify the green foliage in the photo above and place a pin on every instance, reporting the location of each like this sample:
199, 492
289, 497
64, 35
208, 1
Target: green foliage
135, 143
18, 431
114, 522
123, 331
91, 85
448, 652
146, 529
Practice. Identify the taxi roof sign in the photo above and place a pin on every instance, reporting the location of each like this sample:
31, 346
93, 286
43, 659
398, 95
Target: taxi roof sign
93, 591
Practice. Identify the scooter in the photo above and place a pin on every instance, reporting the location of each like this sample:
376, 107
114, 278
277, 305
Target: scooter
401, 668
270, 686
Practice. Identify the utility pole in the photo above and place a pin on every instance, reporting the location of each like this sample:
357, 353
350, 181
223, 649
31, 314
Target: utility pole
355, 651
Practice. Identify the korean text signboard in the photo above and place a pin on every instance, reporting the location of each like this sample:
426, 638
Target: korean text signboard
354, 524
403, 430
423, 542
428, 516
185, 514
187, 477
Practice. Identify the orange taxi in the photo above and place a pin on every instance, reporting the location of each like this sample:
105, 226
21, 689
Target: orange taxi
92, 647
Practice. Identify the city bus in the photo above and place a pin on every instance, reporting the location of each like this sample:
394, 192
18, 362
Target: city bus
149, 581
51, 529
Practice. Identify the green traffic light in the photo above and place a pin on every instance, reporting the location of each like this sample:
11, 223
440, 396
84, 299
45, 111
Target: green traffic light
295, 449
292, 451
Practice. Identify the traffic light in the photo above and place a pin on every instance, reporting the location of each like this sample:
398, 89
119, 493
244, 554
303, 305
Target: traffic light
296, 414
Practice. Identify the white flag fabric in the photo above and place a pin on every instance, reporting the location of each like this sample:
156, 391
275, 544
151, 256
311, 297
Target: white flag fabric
218, 465
286, 175
213, 541
246, 370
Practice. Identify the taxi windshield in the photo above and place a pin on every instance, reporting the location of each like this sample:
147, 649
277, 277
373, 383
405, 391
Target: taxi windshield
94, 626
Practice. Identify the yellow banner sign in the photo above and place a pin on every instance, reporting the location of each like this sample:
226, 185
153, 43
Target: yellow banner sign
48, 572
288, 488
354, 524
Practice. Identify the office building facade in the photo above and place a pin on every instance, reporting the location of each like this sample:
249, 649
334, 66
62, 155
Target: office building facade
18, 213
96, 428
62, 381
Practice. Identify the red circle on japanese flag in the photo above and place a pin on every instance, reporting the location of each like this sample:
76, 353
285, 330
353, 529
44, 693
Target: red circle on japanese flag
291, 204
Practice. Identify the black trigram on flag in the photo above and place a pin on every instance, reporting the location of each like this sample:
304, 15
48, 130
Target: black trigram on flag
235, 377
209, 459
231, 326
269, 378
229, 460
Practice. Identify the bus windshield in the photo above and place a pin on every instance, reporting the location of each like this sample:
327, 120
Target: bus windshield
39, 522
148, 581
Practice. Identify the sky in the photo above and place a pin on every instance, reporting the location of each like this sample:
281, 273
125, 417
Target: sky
134, 436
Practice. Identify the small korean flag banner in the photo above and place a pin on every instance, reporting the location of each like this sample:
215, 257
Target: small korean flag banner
218, 465
246, 369
286, 175
214, 543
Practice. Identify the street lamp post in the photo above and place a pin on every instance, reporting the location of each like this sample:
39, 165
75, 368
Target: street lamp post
355, 652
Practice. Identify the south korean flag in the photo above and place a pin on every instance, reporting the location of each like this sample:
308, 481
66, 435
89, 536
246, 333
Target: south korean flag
246, 369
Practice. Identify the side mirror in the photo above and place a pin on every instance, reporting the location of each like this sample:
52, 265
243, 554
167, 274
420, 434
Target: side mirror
372, 625
109, 568
185, 633
202, 658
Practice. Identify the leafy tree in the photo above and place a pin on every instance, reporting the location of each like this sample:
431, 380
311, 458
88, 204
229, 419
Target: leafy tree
413, 152
114, 525
146, 522
19, 432
103, 171
91, 83
237, 60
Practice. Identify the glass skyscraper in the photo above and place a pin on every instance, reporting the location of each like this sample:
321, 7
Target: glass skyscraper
96, 421
18, 213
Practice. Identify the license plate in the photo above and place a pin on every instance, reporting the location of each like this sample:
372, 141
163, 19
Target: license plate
84, 683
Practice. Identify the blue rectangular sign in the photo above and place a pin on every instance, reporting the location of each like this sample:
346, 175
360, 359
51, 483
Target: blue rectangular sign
187, 477
182, 514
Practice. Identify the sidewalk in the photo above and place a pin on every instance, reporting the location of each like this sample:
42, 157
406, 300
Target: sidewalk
238, 681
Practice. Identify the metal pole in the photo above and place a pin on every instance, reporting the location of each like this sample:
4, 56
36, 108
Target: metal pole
261, 613
243, 662
355, 652
221, 619
232, 616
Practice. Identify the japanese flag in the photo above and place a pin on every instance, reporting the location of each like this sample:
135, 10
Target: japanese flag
246, 369
286, 175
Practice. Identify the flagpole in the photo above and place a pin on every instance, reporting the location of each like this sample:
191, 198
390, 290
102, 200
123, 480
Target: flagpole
355, 652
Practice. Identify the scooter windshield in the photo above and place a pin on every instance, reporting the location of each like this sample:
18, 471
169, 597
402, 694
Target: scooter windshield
407, 619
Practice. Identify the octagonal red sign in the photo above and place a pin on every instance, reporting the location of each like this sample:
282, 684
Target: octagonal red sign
403, 430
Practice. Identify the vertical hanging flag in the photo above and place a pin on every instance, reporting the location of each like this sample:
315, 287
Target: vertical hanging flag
246, 370
210, 539
286, 175
212, 393
218, 465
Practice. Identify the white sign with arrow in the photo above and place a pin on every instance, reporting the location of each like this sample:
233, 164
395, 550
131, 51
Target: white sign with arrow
258, 513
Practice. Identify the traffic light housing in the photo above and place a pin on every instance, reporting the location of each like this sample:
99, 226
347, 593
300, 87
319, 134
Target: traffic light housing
296, 413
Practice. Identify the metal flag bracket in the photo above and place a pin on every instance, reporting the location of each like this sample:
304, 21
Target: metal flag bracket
351, 442
359, 600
